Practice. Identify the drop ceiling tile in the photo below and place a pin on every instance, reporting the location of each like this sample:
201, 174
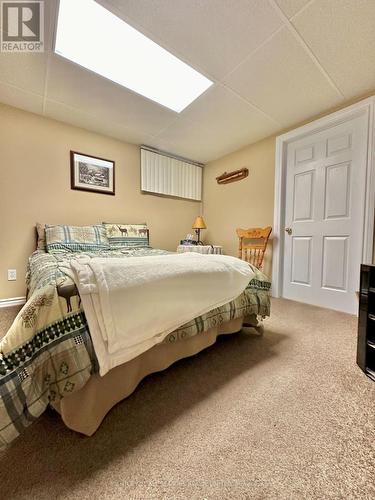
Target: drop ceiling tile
92, 122
24, 70
199, 151
208, 150
212, 35
282, 80
291, 7
19, 98
82, 89
216, 123
202, 147
341, 33
192, 140
219, 108
163, 145
187, 153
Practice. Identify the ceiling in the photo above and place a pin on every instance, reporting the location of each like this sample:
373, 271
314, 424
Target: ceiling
274, 63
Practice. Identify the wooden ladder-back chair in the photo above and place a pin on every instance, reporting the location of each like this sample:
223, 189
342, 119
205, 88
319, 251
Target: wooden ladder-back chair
254, 250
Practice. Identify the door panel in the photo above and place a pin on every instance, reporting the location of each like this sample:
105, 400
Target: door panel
339, 143
324, 208
301, 261
304, 154
303, 196
335, 262
337, 191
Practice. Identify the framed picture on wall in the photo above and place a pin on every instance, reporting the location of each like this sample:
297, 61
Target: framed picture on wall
90, 173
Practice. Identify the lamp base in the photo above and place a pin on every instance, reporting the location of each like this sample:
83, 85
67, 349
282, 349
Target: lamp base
198, 233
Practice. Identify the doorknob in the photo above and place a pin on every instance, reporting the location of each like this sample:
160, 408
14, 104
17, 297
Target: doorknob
288, 230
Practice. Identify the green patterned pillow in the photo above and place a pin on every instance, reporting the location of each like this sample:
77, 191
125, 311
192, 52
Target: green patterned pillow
126, 235
76, 238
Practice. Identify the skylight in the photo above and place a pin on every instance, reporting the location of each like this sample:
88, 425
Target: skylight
91, 36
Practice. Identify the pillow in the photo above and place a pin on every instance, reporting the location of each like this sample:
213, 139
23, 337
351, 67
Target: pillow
126, 235
76, 238
40, 236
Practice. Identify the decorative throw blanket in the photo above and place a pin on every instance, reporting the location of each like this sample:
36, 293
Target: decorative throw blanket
132, 304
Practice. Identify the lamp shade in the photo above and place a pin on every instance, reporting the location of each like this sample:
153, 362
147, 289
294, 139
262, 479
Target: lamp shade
199, 223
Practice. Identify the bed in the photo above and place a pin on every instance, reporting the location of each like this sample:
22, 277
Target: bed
47, 356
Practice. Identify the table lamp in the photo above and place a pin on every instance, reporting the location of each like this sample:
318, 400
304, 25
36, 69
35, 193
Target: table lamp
198, 225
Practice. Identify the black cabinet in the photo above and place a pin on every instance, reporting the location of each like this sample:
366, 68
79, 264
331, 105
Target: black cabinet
366, 321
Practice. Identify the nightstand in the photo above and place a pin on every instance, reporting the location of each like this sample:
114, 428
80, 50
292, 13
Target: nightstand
206, 249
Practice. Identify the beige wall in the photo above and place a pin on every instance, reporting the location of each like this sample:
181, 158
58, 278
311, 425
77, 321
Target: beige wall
245, 203
35, 186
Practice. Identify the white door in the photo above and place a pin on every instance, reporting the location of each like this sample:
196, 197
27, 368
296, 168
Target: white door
324, 216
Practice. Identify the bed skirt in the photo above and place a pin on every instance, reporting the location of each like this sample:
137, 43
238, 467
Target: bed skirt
84, 410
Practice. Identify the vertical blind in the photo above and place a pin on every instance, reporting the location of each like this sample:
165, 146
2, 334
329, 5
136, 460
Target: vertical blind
162, 174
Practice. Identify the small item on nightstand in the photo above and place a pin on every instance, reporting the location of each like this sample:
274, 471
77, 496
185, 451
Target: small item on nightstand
189, 240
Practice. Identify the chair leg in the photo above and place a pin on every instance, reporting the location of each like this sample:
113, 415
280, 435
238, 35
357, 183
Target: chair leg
253, 325
260, 329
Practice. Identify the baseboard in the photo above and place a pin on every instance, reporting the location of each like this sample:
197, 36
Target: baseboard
15, 301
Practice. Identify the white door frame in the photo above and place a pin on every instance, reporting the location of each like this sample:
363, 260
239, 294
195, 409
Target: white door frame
365, 107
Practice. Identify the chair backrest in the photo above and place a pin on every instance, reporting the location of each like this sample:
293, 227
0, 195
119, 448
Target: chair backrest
254, 250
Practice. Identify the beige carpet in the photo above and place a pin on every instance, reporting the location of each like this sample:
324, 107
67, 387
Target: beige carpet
7, 316
286, 416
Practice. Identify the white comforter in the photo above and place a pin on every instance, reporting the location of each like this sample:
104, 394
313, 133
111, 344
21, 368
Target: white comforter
132, 304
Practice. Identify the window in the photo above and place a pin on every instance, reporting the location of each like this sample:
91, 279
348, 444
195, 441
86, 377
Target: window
167, 175
91, 36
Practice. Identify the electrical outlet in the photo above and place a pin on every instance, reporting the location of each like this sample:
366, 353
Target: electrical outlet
12, 274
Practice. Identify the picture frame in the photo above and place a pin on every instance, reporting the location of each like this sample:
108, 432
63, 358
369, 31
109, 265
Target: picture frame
92, 173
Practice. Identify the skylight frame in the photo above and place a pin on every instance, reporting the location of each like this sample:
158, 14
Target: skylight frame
162, 78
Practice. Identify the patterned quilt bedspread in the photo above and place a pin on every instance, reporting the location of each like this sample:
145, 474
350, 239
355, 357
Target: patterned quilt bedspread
48, 354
